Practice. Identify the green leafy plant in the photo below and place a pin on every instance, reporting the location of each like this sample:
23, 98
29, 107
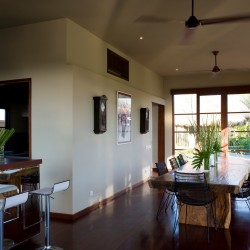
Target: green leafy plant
5, 135
207, 142
217, 146
198, 157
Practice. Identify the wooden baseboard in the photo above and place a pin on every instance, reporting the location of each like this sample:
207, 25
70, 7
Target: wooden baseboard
73, 217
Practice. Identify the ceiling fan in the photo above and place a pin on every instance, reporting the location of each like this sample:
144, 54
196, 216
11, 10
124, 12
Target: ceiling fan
193, 22
215, 69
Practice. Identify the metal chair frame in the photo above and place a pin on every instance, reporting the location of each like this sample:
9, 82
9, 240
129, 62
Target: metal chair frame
181, 160
173, 163
168, 195
9, 202
244, 194
192, 190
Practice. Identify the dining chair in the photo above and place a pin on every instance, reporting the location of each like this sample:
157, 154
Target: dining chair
173, 163
244, 193
191, 189
181, 160
168, 195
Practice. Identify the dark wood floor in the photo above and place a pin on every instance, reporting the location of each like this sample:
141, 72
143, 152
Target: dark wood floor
129, 223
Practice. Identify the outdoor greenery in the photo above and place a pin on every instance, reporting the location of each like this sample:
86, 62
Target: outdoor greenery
188, 138
240, 140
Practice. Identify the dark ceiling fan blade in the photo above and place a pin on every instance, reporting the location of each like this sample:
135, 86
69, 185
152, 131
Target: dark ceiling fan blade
193, 22
187, 37
228, 19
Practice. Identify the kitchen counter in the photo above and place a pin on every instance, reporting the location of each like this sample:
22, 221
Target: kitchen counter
24, 174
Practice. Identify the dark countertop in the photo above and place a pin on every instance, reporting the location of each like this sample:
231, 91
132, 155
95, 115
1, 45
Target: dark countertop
18, 162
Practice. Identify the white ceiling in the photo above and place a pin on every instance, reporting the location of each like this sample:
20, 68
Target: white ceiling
121, 23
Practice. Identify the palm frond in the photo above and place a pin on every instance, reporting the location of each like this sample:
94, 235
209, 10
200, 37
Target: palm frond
5, 135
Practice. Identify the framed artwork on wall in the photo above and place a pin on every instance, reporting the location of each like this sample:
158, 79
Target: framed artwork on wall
123, 117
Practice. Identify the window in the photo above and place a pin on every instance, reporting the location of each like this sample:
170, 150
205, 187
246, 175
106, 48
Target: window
185, 112
239, 124
2, 118
230, 106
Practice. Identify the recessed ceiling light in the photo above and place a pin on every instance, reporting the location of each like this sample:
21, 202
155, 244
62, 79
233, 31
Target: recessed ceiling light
141, 37
176, 69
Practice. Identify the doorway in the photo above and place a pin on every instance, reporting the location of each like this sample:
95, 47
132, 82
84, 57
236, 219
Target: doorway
15, 104
158, 136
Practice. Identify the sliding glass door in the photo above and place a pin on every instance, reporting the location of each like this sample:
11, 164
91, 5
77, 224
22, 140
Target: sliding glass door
239, 124
202, 106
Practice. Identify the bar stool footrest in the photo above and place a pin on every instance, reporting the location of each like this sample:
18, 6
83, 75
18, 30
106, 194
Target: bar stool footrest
8, 243
49, 247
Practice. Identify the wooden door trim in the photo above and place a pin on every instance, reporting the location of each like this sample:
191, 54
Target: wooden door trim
161, 132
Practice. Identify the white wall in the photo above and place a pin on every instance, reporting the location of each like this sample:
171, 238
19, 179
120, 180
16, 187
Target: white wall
99, 164
89, 52
102, 168
67, 65
38, 52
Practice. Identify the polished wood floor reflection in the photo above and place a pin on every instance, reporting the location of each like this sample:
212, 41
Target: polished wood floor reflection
130, 222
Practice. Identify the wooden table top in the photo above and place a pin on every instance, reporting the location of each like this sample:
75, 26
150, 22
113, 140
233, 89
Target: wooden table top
227, 177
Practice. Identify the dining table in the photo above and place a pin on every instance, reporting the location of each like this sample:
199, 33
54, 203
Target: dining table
224, 179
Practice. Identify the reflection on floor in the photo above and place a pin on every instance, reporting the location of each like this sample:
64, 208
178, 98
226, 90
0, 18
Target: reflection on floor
129, 223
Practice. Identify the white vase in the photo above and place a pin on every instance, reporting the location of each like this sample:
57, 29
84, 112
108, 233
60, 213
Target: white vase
212, 160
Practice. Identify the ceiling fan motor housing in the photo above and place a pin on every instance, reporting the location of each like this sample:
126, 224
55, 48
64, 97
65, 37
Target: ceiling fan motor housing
192, 22
216, 69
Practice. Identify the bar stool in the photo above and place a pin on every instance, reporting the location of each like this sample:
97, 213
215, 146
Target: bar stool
47, 192
9, 202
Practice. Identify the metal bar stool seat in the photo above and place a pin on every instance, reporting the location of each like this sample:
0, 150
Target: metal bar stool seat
47, 192
9, 202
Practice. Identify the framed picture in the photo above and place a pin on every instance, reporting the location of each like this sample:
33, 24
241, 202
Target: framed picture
123, 118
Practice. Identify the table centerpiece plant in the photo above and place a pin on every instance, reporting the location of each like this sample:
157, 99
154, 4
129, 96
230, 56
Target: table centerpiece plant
5, 135
207, 138
217, 148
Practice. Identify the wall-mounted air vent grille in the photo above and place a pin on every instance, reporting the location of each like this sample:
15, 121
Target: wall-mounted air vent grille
117, 65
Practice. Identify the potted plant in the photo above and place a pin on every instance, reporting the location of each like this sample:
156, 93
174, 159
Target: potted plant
5, 135
217, 148
207, 142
